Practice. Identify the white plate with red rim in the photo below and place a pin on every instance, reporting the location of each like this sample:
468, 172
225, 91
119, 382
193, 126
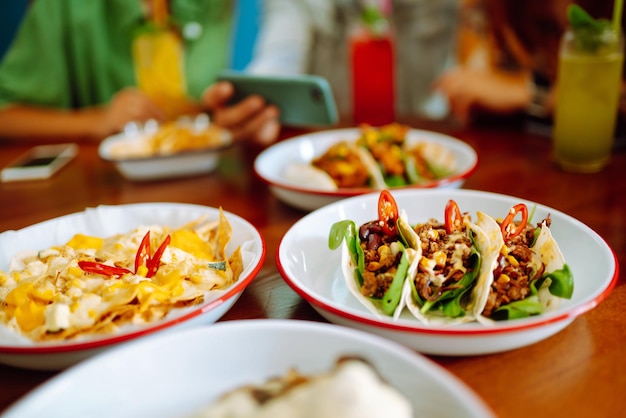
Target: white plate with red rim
124, 382
104, 221
313, 271
271, 163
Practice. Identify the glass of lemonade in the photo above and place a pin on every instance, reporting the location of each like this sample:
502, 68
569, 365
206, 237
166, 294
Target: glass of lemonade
587, 95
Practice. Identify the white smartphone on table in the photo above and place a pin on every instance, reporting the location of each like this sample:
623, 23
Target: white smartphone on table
40, 162
303, 100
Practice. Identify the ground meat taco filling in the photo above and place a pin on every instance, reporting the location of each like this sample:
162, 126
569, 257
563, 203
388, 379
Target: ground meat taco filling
518, 266
344, 165
445, 259
382, 257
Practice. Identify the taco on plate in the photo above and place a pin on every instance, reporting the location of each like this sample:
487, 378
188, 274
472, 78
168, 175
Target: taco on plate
402, 163
343, 165
450, 271
528, 273
377, 257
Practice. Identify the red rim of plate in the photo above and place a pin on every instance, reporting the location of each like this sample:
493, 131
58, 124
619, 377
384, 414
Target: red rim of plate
104, 342
425, 329
345, 192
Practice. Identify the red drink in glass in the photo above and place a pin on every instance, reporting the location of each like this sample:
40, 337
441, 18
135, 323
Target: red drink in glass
373, 87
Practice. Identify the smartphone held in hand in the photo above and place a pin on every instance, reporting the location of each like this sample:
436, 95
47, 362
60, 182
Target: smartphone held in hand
303, 100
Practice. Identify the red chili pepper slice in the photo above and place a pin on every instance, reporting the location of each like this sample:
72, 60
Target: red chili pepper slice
103, 269
155, 261
387, 212
143, 253
453, 217
508, 227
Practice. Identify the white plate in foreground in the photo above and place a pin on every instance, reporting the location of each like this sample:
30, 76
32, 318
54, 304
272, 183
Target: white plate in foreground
271, 163
313, 271
104, 221
179, 373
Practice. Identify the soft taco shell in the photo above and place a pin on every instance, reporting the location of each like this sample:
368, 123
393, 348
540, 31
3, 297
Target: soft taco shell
373, 305
545, 246
437, 317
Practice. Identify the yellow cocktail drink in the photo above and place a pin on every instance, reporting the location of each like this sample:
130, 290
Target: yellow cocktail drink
158, 56
587, 95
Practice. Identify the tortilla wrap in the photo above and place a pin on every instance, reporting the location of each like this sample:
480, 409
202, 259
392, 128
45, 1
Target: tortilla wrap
545, 250
343, 165
468, 296
396, 290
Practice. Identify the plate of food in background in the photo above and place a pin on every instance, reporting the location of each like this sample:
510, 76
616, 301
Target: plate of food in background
188, 146
256, 368
75, 285
447, 272
312, 170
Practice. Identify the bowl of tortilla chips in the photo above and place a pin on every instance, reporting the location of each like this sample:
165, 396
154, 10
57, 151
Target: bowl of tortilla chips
185, 147
73, 286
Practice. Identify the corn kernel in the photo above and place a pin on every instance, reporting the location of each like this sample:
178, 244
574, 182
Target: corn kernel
504, 278
433, 234
440, 258
142, 271
77, 283
512, 260
75, 272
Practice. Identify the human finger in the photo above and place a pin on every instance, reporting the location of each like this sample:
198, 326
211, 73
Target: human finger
263, 127
217, 95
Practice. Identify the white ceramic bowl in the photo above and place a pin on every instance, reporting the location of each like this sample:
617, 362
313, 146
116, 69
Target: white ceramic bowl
105, 221
270, 165
313, 271
177, 374
180, 164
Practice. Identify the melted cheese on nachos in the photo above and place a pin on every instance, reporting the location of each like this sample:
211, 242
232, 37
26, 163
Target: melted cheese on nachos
94, 285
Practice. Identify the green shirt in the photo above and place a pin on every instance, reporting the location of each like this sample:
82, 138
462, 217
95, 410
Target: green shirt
77, 53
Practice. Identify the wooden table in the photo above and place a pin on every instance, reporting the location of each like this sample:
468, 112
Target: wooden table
580, 371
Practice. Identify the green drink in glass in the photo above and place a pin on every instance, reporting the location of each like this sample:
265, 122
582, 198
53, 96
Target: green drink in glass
588, 88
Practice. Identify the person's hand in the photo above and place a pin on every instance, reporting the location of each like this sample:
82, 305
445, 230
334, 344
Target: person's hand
128, 105
251, 119
472, 90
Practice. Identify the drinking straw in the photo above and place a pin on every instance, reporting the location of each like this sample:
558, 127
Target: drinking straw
159, 12
618, 6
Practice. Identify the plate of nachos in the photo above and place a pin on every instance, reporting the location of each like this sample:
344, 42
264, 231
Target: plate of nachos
75, 285
151, 151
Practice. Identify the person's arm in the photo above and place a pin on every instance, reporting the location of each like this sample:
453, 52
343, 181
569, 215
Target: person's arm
26, 122
483, 90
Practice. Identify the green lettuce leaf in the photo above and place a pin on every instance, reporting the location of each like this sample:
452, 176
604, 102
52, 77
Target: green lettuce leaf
391, 298
562, 282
